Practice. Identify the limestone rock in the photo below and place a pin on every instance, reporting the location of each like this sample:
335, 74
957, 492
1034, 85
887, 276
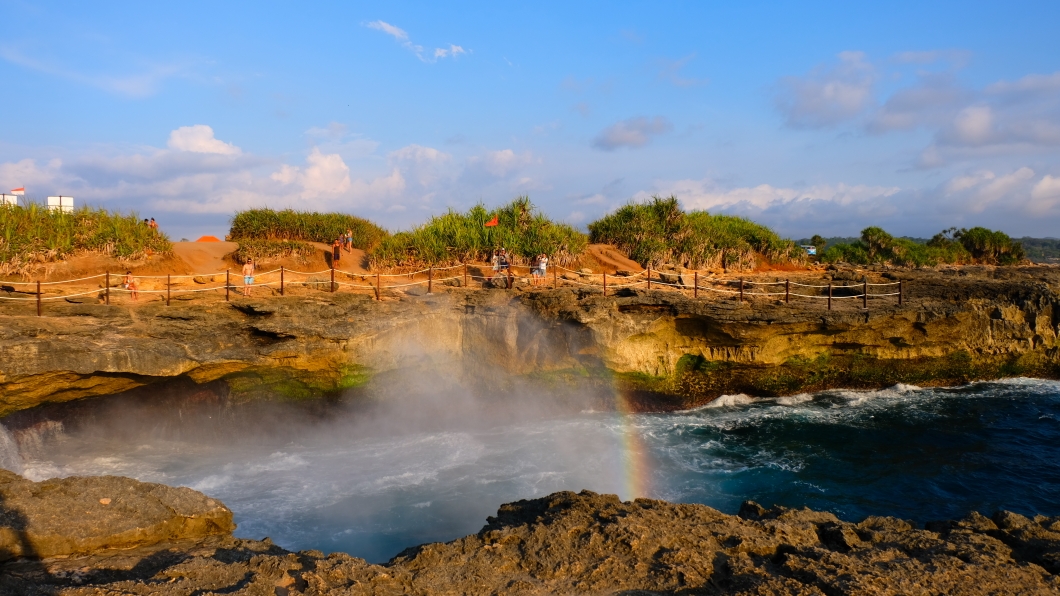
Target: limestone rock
587, 543
77, 516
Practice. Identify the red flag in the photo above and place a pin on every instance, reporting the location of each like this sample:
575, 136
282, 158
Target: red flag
492, 222
18, 191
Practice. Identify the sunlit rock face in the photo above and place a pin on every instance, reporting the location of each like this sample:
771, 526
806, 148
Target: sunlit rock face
660, 349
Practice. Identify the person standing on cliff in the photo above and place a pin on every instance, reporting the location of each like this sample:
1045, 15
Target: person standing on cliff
336, 252
349, 240
248, 276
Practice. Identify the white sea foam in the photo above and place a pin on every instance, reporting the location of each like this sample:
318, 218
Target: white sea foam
739, 399
10, 457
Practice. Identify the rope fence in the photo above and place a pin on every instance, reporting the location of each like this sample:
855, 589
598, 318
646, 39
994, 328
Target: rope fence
501, 276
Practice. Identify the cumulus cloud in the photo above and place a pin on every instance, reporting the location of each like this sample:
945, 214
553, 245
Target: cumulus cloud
1017, 201
199, 139
499, 163
402, 37
928, 103
195, 173
634, 132
828, 95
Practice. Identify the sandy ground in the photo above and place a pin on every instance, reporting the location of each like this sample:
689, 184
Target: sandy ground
205, 257
611, 259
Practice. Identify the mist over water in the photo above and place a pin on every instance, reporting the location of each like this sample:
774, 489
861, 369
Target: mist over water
431, 461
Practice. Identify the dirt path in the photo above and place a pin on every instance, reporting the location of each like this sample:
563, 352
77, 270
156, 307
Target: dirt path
355, 261
612, 258
204, 257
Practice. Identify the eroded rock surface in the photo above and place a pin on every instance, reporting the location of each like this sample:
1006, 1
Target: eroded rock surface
570, 543
82, 515
664, 349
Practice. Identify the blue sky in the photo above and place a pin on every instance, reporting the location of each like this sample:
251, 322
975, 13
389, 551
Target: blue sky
809, 117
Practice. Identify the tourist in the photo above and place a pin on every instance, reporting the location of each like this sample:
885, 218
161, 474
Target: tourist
153, 225
504, 267
542, 267
349, 240
533, 270
495, 262
248, 276
130, 285
336, 251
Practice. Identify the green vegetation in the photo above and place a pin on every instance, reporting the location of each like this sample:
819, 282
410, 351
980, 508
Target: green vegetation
660, 232
34, 234
252, 248
952, 246
462, 237
267, 224
1041, 250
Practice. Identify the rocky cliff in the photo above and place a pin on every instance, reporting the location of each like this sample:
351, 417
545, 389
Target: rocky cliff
660, 349
565, 543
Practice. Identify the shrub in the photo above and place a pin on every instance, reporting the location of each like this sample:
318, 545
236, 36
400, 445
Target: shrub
266, 224
659, 231
34, 234
952, 246
252, 248
462, 237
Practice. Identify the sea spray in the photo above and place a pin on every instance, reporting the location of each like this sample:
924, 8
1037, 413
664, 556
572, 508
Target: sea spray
10, 457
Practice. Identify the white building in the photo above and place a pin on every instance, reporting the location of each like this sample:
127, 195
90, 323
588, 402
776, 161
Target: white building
62, 204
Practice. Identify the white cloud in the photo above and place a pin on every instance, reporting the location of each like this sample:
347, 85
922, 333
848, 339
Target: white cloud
1016, 201
397, 32
138, 85
930, 102
828, 96
634, 132
500, 163
402, 37
199, 139
419, 154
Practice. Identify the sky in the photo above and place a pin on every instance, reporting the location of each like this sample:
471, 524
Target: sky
810, 117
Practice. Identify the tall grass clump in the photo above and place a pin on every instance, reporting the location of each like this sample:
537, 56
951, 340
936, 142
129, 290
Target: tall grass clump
34, 234
659, 231
953, 246
267, 224
463, 237
260, 250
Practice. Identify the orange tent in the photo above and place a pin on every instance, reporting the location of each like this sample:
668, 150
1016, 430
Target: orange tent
208, 239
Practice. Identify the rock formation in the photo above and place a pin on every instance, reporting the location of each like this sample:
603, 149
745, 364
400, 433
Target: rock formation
662, 349
564, 543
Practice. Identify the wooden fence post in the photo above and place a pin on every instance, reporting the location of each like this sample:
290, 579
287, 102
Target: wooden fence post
465, 275
38, 299
865, 294
787, 291
829, 296
695, 285
509, 276
741, 289
228, 282
430, 279
555, 277
333, 278
169, 285
899, 292
378, 288
649, 276
106, 293
605, 284
281, 280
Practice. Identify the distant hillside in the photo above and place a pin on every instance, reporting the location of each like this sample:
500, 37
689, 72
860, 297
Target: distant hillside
1039, 250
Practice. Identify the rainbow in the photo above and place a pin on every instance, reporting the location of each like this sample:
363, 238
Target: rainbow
635, 461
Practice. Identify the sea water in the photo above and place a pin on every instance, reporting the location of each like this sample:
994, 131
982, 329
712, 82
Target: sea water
336, 485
